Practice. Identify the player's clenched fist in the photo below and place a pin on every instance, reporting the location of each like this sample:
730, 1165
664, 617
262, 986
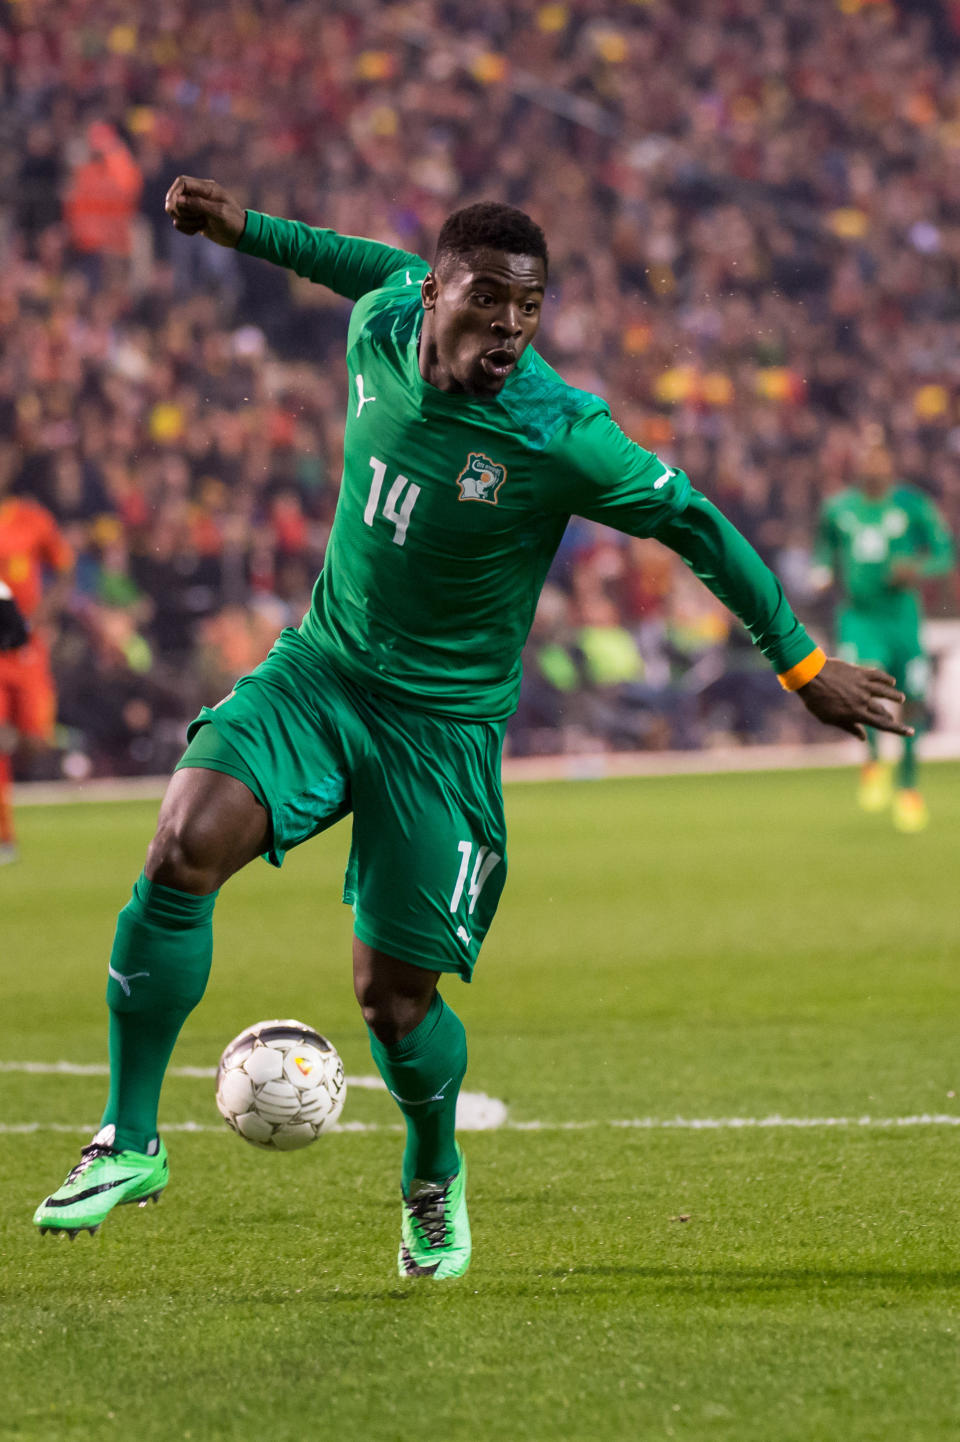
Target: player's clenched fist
202, 207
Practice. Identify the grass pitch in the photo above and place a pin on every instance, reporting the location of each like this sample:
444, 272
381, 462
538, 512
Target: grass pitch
705, 948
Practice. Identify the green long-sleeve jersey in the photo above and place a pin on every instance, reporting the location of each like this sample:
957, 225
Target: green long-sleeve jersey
860, 540
452, 507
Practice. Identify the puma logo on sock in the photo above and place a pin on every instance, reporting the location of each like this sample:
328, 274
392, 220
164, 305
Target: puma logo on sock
125, 980
409, 1102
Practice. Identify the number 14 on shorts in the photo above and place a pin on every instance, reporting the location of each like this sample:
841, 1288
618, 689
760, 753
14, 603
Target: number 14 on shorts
483, 863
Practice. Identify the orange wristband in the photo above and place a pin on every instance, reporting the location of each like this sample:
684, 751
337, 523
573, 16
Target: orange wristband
803, 671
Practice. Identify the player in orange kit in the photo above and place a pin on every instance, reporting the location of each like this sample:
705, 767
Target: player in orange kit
30, 545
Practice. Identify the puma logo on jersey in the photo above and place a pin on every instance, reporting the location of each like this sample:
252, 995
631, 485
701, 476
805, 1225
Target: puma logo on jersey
662, 480
362, 400
481, 479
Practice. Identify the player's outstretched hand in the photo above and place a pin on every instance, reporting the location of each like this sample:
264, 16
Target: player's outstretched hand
850, 697
13, 628
202, 207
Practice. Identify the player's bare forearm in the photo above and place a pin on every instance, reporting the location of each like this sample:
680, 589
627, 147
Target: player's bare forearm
203, 207
851, 697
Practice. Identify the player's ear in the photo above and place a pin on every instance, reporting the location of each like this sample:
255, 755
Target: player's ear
429, 287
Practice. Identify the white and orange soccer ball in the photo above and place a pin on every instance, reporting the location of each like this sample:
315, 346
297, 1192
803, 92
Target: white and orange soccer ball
280, 1084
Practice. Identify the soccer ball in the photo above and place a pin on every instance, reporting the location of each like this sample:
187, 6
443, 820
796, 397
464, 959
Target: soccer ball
280, 1084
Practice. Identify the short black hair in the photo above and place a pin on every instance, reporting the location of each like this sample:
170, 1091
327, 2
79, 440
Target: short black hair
489, 225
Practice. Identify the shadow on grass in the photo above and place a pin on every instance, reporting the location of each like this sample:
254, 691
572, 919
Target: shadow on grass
769, 1279
693, 1281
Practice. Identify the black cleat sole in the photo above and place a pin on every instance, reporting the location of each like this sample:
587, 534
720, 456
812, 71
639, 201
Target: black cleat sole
71, 1232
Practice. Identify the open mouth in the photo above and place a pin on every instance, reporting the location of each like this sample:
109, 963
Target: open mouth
499, 362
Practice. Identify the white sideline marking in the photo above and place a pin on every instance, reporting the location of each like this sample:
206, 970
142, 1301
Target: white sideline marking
76, 1068
476, 1112
20, 1129
732, 1124
647, 1124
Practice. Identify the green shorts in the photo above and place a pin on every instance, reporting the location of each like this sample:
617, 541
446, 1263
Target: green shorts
893, 644
428, 857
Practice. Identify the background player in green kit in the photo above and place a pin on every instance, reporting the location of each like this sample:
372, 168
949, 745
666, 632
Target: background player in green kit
464, 457
877, 540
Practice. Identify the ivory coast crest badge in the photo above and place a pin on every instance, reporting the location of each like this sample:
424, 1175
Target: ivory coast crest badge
481, 479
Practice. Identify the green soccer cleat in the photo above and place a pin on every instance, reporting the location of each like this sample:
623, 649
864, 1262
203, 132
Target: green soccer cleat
875, 789
910, 812
102, 1179
435, 1240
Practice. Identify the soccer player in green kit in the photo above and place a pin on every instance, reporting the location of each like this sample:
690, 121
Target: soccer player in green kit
877, 540
464, 457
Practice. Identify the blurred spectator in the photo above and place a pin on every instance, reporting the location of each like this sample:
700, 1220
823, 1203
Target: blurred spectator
548, 715
37, 203
102, 195
36, 564
113, 703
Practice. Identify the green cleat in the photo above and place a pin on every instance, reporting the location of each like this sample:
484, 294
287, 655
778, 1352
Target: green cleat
875, 789
435, 1240
910, 812
102, 1179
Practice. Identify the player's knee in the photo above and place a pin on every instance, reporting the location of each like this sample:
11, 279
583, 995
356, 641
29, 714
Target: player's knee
391, 1015
394, 995
210, 826
186, 853
386, 1016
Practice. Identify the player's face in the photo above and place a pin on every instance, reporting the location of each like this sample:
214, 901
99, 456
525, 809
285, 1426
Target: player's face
481, 313
875, 469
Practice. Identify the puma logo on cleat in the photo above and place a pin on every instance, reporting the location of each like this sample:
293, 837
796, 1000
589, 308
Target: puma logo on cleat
125, 980
82, 1196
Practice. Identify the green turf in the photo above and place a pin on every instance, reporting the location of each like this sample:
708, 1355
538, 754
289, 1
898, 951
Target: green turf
716, 947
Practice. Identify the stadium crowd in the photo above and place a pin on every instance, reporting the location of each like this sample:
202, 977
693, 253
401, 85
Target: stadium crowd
754, 220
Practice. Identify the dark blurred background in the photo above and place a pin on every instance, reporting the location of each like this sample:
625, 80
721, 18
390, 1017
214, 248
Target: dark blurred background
753, 211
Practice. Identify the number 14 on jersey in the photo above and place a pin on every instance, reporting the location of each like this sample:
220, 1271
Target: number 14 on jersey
395, 509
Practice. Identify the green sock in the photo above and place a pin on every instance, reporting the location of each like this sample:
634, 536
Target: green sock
423, 1073
159, 966
907, 771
